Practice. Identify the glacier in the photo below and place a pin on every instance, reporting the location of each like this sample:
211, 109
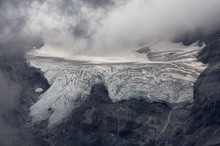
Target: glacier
156, 80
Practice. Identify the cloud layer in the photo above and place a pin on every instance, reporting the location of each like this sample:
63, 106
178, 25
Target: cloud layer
100, 26
142, 22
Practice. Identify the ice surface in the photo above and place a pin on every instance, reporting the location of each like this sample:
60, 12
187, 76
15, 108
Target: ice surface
71, 82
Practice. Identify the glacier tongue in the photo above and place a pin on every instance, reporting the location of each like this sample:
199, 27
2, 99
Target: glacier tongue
71, 82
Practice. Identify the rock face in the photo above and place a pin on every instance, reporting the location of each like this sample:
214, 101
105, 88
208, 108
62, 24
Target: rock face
18, 82
206, 112
99, 122
211, 53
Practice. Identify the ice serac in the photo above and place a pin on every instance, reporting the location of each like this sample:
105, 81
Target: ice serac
71, 82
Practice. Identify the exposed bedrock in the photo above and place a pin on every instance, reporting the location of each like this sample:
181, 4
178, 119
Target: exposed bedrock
205, 126
211, 53
17, 93
99, 122
207, 87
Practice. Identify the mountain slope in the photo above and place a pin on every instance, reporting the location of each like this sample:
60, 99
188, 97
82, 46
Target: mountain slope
17, 93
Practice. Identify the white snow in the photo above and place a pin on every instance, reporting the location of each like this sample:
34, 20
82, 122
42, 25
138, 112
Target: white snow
119, 57
39, 90
71, 81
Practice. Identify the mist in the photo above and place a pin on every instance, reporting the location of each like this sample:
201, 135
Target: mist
99, 27
10, 133
88, 28
141, 22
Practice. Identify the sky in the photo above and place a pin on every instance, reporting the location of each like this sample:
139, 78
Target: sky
97, 27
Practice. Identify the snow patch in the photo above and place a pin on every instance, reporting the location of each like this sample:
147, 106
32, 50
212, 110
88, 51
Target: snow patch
39, 90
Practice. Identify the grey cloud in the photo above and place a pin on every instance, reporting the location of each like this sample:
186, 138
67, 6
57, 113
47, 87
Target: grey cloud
98, 25
81, 29
69, 7
100, 3
147, 22
13, 39
27, 23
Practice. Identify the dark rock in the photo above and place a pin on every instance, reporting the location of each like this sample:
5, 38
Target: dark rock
144, 50
207, 87
211, 53
189, 37
204, 126
15, 125
98, 121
